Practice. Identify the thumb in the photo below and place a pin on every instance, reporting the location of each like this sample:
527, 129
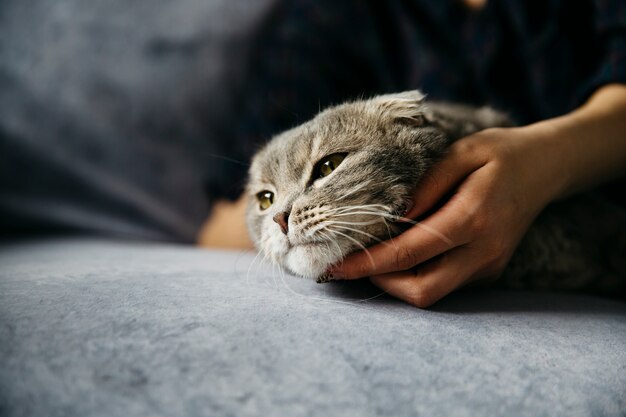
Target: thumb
441, 178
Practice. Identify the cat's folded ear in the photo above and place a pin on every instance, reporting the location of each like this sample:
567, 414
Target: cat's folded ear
407, 107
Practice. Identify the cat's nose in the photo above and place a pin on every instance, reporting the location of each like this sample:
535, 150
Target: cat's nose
282, 219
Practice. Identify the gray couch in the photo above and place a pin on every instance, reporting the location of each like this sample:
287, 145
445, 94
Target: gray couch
113, 120
105, 328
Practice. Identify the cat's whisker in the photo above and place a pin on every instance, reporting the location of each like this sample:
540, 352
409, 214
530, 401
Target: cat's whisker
240, 258
376, 207
327, 255
250, 267
260, 252
371, 213
371, 236
428, 229
272, 278
388, 229
353, 208
401, 219
275, 265
359, 244
355, 223
380, 294
354, 190
354, 302
404, 220
385, 214
372, 205
226, 158
435, 232
268, 256
381, 217
281, 275
330, 239
359, 207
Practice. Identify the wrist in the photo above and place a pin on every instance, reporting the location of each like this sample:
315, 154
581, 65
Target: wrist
587, 146
540, 161
548, 154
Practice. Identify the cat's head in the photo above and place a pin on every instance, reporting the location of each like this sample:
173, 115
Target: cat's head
335, 184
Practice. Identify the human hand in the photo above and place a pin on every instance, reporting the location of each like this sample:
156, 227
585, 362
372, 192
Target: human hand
499, 180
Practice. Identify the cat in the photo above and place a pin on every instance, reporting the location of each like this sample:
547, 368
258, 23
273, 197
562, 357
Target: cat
337, 183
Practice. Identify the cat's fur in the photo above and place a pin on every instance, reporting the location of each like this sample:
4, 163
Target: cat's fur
390, 142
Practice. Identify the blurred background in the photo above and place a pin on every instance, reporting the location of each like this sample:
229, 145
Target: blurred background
132, 118
112, 113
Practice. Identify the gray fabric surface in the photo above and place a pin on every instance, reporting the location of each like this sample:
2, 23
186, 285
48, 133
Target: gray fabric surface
100, 328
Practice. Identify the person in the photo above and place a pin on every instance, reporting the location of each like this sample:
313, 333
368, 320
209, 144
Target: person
560, 70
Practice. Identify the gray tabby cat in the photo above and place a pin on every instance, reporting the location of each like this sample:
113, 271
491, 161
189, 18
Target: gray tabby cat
336, 184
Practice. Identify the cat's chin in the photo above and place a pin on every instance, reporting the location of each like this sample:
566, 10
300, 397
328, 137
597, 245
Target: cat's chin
310, 261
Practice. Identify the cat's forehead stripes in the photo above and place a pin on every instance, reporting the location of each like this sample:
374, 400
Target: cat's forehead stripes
288, 160
287, 157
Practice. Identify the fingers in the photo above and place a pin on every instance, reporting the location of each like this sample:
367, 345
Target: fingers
430, 283
461, 160
436, 235
458, 222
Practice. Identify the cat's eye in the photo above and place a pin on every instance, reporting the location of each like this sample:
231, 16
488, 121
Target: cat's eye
328, 165
266, 199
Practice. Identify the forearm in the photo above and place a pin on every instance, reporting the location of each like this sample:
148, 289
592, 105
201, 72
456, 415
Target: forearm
588, 146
